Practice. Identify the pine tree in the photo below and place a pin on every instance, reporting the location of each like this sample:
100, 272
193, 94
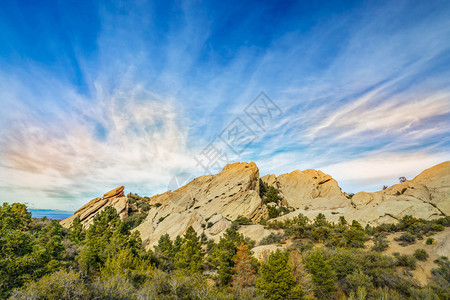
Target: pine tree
222, 256
105, 237
323, 276
244, 271
76, 232
276, 281
190, 256
165, 247
356, 235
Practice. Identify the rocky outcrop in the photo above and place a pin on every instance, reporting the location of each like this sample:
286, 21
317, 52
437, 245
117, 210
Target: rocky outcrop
115, 193
232, 193
210, 203
87, 212
308, 190
426, 196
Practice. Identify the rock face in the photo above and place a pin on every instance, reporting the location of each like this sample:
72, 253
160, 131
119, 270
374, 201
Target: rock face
426, 196
308, 190
87, 212
210, 203
232, 193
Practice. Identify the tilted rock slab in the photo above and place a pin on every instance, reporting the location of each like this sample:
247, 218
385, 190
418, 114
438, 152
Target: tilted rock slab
87, 212
232, 193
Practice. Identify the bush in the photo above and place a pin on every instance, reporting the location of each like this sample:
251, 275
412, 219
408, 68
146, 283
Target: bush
406, 239
271, 195
441, 278
430, 241
135, 220
358, 279
145, 207
277, 211
404, 260
243, 221
381, 243
323, 274
58, 285
115, 287
421, 254
272, 238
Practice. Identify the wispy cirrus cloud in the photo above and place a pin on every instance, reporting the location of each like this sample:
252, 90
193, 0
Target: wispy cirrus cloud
130, 95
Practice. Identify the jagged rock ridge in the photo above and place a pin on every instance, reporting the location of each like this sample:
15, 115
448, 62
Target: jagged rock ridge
209, 203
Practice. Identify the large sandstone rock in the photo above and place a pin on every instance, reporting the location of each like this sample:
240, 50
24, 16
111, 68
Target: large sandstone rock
232, 193
426, 196
308, 190
87, 212
210, 203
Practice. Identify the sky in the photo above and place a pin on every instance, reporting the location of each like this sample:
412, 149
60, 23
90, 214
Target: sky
149, 94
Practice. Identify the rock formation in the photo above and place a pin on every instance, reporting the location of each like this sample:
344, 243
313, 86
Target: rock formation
87, 212
209, 203
216, 199
308, 190
426, 196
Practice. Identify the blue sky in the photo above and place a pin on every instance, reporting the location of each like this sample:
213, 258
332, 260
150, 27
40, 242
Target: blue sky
97, 95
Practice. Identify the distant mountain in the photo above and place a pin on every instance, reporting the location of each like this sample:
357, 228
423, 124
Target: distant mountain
50, 213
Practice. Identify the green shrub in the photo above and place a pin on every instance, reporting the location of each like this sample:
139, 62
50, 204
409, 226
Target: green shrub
243, 221
323, 275
114, 287
272, 238
135, 219
358, 279
406, 239
441, 278
271, 195
421, 254
404, 260
277, 211
430, 241
437, 227
58, 285
381, 243
145, 207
